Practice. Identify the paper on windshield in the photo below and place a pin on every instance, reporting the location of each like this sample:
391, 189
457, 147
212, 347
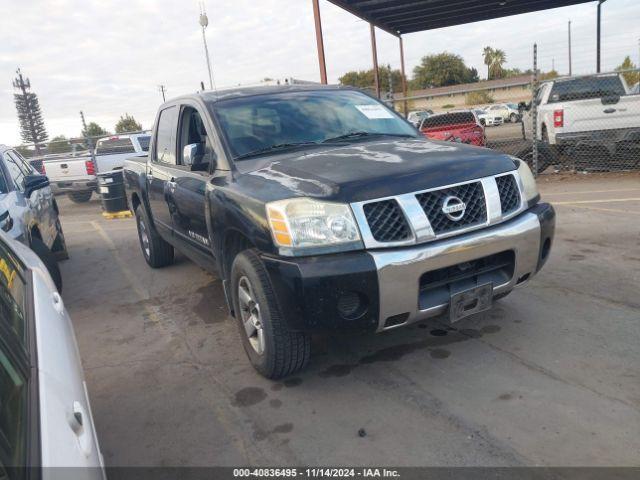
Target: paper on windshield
374, 112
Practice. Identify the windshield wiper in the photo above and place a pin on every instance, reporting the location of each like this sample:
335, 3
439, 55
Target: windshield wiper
349, 135
279, 146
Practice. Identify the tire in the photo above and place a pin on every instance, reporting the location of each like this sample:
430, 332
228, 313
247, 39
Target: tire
513, 118
59, 247
545, 135
546, 157
80, 197
156, 251
49, 260
483, 122
273, 349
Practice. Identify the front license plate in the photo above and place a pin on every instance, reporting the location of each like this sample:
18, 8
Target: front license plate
468, 302
104, 190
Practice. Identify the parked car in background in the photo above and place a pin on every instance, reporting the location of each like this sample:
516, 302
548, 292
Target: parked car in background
111, 151
488, 119
45, 415
507, 111
416, 117
462, 126
74, 175
29, 212
321, 209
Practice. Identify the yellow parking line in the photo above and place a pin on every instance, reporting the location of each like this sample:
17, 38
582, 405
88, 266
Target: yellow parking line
594, 191
131, 278
609, 200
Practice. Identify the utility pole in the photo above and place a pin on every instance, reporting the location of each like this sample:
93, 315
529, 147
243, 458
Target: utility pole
204, 22
89, 141
569, 47
390, 85
162, 90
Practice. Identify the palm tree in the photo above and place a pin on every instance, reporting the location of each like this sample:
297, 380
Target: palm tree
499, 58
488, 56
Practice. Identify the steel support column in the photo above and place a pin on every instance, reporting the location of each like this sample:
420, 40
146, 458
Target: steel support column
320, 42
600, 2
374, 50
404, 77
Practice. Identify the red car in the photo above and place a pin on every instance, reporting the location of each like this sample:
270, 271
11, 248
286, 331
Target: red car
462, 127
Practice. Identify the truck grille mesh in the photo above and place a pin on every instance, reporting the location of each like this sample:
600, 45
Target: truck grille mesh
386, 221
509, 193
471, 194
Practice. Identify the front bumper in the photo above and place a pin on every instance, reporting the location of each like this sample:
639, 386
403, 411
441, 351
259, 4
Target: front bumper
73, 186
315, 292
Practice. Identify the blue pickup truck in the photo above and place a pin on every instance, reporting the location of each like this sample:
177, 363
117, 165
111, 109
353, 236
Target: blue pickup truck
29, 211
321, 209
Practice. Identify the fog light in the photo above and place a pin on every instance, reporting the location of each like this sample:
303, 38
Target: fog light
351, 305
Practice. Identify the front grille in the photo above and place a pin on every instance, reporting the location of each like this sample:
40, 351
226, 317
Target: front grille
386, 221
471, 194
509, 193
437, 286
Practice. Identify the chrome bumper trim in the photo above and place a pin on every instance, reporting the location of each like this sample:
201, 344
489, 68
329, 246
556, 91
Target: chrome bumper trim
400, 269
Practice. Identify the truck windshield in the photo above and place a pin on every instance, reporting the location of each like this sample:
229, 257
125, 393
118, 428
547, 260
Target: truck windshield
586, 87
259, 124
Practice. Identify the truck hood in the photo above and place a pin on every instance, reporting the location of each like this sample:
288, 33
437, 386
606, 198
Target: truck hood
367, 170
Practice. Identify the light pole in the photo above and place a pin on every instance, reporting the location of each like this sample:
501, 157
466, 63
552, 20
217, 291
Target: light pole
204, 22
600, 2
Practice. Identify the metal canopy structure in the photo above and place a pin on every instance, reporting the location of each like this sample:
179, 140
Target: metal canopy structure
398, 17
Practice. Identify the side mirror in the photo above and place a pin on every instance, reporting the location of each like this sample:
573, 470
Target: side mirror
34, 182
192, 154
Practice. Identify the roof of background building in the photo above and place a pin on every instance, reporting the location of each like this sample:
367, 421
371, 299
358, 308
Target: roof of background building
517, 81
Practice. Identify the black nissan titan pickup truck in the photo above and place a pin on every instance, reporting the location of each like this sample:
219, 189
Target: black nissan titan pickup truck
323, 210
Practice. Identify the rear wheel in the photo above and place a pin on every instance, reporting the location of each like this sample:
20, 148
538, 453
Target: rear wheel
49, 260
156, 251
273, 349
513, 118
80, 197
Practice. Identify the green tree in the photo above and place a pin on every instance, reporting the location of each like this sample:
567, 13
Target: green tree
442, 69
366, 80
630, 77
548, 75
59, 144
32, 129
94, 130
127, 124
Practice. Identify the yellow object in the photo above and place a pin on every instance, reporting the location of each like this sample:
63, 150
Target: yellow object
112, 215
279, 227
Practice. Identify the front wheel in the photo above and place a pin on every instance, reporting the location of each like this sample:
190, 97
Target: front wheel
156, 251
513, 118
273, 349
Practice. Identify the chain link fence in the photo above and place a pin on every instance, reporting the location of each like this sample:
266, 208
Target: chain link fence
586, 122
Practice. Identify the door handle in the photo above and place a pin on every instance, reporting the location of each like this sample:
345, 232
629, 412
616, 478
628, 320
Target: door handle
609, 110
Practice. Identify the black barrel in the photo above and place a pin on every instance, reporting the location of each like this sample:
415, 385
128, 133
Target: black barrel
111, 188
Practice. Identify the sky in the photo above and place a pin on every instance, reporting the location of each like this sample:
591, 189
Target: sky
108, 57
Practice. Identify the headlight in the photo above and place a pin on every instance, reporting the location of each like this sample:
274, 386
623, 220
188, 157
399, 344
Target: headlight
305, 226
528, 181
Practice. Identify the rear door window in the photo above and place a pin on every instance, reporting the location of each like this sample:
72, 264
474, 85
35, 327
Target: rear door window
585, 88
165, 146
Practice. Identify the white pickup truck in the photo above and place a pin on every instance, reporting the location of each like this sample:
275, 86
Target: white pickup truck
595, 114
76, 175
